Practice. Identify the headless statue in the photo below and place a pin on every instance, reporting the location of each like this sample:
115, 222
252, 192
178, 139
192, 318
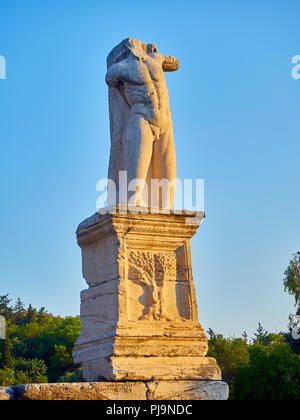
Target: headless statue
142, 141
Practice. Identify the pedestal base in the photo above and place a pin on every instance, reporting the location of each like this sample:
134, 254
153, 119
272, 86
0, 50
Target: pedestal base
139, 318
152, 368
114, 391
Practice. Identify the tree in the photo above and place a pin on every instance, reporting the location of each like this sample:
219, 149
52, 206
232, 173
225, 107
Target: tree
229, 353
19, 308
5, 309
34, 370
211, 334
292, 286
245, 337
19, 312
41, 316
32, 315
292, 278
39, 348
8, 359
7, 377
143, 273
60, 362
273, 373
261, 335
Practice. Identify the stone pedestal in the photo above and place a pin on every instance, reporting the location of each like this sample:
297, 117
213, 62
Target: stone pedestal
139, 315
138, 391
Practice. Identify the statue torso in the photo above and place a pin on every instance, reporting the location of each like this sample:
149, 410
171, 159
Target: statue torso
145, 89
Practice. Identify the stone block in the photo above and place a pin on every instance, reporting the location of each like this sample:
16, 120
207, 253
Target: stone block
156, 368
6, 394
116, 391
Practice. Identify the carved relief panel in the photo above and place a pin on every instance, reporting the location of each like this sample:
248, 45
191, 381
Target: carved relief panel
158, 287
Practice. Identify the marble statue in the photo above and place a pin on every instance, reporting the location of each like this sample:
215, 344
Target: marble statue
140, 333
142, 141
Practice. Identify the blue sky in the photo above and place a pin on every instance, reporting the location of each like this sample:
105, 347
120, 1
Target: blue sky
235, 110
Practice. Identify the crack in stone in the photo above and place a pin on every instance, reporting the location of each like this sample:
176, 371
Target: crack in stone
151, 388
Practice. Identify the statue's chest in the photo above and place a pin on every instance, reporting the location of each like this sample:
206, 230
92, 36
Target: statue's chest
148, 71
155, 71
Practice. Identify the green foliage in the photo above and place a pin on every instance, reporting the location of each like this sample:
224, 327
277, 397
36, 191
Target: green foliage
24, 372
31, 316
7, 357
60, 361
7, 376
292, 286
38, 346
19, 312
292, 278
75, 376
273, 373
237, 360
34, 370
229, 353
261, 335
5, 309
265, 338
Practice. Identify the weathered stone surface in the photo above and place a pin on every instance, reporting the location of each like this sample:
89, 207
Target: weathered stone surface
141, 304
114, 391
6, 394
156, 368
193, 390
142, 140
82, 391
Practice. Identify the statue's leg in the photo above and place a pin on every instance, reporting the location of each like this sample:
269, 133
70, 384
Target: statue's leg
164, 165
138, 147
